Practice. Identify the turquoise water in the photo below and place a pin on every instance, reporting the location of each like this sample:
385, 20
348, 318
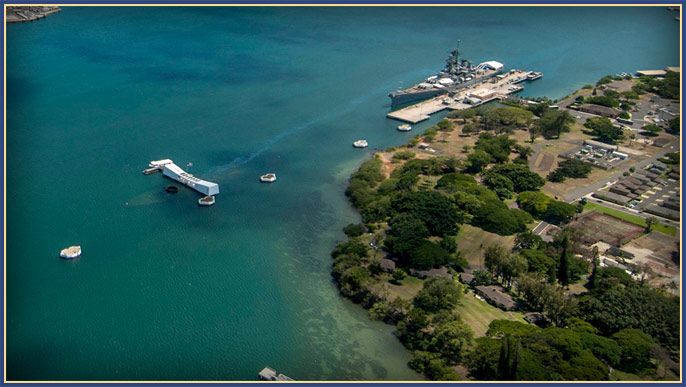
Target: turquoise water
166, 290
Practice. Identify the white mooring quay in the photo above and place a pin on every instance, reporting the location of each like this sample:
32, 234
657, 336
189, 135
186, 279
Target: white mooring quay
174, 172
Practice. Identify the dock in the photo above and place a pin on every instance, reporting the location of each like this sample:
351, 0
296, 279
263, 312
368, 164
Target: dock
269, 374
487, 91
174, 172
20, 14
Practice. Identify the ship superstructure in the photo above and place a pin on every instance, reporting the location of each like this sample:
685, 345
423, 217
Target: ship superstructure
458, 73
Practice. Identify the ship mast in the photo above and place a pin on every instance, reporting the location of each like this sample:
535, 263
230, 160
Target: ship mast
453, 61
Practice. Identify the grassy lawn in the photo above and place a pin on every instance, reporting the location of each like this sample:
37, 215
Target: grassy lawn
478, 314
407, 289
669, 230
470, 239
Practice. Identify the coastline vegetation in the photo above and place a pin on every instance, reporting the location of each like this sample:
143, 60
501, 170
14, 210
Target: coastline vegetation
413, 215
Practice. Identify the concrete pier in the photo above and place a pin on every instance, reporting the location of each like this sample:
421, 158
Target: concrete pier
495, 88
19, 14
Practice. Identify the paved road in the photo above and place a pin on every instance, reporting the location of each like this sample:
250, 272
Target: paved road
632, 212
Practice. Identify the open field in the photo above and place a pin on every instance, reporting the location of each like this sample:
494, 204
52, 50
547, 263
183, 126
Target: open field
408, 288
598, 226
597, 174
669, 230
479, 314
470, 241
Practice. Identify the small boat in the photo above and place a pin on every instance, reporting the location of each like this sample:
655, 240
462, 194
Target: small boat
404, 127
71, 252
360, 144
533, 75
268, 178
151, 170
171, 189
206, 201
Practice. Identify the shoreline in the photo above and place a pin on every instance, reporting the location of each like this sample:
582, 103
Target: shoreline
380, 293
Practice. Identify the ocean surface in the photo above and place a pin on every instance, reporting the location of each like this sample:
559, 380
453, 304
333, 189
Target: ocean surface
167, 290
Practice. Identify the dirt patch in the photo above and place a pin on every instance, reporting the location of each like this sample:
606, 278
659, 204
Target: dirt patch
545, 162
658, 248
597, 226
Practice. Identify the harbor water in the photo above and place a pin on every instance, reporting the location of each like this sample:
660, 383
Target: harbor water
167, 290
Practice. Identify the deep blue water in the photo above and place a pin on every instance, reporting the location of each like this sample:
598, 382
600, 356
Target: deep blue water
166, 290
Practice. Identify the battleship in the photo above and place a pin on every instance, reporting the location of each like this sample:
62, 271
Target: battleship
457, 74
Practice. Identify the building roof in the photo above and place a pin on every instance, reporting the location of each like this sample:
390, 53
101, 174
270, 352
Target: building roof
600, 109
673, 68
466, 277
267, 374
495, 294
440, 272
387, 264
663, 212
602, 145
652, 73
494, 65
612, 197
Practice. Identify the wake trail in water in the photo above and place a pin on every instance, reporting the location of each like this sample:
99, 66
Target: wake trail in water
265, 146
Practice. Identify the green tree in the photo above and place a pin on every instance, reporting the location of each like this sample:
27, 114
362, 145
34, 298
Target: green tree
494, 255
563, 269
612, 306
636, 350
534, 202
438, 294
652, 130
512, 266
405, 235
452, 339
353, 230
675, 126
605, 80
537, 261
398, 275
604, 129
428, 255
522, 178
528, 240
557, 306
539, 109
496, 181
449, 244
483, 360
510, 355
570, 168
603, 101
435, 210
499, 147
650, 221
554, 123
477, 160
559, 212
445, 125
592, 279
456, 179
495, 217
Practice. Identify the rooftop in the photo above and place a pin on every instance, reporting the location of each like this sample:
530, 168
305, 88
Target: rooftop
652, 73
